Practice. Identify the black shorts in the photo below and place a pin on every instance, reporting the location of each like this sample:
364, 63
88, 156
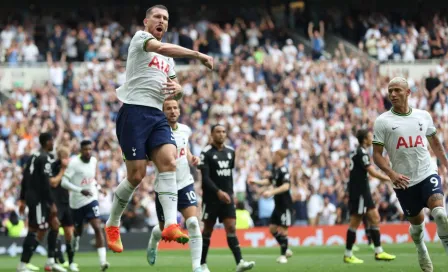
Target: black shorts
212, 211
282, 217
360, 204
415, 198
39, 216
65, 215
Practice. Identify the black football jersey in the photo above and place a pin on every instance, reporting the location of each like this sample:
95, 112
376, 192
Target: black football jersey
359, 182
279, 177
219, 166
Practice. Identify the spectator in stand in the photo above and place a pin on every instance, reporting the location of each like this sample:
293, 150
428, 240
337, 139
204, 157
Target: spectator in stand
317, 39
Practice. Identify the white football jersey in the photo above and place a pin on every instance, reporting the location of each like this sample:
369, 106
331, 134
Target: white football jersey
82, 175
145, 74
404, 138
183, 176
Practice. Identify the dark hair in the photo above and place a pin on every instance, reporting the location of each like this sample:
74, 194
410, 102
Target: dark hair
44, 138
215, 126
148, 11
361, 135
85, 142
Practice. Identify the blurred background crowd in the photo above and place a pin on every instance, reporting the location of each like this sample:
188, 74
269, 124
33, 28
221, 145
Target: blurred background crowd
270, 90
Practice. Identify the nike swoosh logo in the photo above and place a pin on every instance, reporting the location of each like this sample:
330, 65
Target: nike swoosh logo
394, 128
435, 189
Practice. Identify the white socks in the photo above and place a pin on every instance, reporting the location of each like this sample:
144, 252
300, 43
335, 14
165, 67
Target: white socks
195, 242
122, 195
416, 232
348, 253
102, 255
166, 187
156, 235
439, 215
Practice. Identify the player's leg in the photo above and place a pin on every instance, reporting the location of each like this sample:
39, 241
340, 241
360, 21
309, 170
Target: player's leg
132, 132
209, 216
374, 221
52, 237
279, 222
434, 194
92, 214
194, 231
367, 230
228, 217
411, 203
355, 221
163, 153
156, 234
356, 206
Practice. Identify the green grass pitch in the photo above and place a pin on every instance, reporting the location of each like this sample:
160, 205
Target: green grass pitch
323, 259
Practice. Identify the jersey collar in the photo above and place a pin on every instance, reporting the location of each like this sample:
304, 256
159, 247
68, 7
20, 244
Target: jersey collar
401, 114
176, 128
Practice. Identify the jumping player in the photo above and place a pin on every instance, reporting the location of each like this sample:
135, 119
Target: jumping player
79, 179
282, 216
217, 163
187, 203
142, 129
405, 133
360, 199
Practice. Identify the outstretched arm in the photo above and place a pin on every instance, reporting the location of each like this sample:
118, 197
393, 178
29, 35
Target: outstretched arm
176, 51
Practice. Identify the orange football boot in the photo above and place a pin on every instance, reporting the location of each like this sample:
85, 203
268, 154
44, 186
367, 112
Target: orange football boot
174, 233
113, 239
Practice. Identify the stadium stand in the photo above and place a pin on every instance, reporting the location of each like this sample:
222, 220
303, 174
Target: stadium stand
269, 90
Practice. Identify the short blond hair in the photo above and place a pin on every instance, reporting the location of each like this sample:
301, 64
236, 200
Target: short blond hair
401, 81
63, 151
282, 153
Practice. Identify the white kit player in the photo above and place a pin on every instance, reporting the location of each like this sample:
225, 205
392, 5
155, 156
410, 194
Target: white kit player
142, 129
79, 178
405, 134
187, 203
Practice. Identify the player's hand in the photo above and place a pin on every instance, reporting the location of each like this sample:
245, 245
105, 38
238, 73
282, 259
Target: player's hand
267, 194
22, 207
195, 160
206, 60
399, 180
86, 192
171, 88
224, 197
252, 181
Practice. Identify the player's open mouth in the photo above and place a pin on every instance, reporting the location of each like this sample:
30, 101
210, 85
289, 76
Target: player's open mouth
159, 29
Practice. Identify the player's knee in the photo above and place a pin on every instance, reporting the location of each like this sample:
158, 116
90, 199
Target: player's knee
193, 224
230, 229
135, 177
273, 229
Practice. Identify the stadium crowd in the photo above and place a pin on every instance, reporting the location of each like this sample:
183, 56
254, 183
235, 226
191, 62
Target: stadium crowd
271, 95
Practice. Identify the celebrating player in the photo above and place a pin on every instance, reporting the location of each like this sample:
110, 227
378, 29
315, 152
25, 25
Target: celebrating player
142, 129
79, 179
65, 216
405, 133
360, 199
36, 194
187, 203
282, 216
217, 162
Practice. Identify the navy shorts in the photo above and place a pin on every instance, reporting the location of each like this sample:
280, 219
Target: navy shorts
140, 129
186, 197
86, 213
415, 198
